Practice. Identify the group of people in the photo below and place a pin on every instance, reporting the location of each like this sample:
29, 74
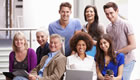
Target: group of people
88, 48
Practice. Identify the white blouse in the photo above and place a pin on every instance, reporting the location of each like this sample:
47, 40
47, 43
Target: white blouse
88, 64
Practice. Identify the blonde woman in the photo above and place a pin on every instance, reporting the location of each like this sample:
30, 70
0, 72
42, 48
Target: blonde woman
22, 57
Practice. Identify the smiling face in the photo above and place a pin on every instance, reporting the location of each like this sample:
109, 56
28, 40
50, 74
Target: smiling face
19, 42
81, 47
65, 13
41, 38
104, 45
90, 14
111, 14
55, 44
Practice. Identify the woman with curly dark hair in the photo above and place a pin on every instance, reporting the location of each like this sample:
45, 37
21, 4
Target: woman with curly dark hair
80, 43
106, 58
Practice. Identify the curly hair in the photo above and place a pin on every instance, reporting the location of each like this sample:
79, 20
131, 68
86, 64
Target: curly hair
100, 55
81, 36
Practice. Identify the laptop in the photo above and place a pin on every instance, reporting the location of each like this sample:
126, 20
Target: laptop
11, 75
79, 75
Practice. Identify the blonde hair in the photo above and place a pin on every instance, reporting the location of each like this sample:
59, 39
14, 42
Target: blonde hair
16, 36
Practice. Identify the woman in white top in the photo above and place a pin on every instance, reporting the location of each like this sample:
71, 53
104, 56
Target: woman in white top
80, 43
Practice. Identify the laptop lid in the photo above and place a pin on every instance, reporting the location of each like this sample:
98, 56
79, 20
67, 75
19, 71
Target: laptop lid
16, 73
8, 74
78, 75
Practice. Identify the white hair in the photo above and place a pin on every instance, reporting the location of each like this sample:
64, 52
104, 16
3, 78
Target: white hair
44, 30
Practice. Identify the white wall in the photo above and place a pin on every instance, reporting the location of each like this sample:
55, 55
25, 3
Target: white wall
2, 18
133, 17
79, 6
102, 17
38, 13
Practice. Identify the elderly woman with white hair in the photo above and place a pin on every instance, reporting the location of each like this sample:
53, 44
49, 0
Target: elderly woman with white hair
42, 39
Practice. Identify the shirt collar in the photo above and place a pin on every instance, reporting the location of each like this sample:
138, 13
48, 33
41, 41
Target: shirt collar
47, 44
52, 54
116, 22
76, 54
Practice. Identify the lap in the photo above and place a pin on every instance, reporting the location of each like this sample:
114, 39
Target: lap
20, 78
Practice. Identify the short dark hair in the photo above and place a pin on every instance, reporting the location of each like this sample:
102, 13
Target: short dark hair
65, 4
111, 4
81, 36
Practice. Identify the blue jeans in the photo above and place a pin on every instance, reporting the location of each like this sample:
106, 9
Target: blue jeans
127, 70
20, 78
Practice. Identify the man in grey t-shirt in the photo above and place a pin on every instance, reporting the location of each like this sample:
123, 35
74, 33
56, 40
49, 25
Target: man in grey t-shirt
65, 26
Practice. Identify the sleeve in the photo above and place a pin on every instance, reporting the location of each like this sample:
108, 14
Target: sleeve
67, 67
50, 29
84, 28
58, 70
128, 29
11, 62
78, 25
37, 54
67, 64
37, 50
102, 29
38, 67
94, 70
120, 59
33, 59
108, 27
35, 70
